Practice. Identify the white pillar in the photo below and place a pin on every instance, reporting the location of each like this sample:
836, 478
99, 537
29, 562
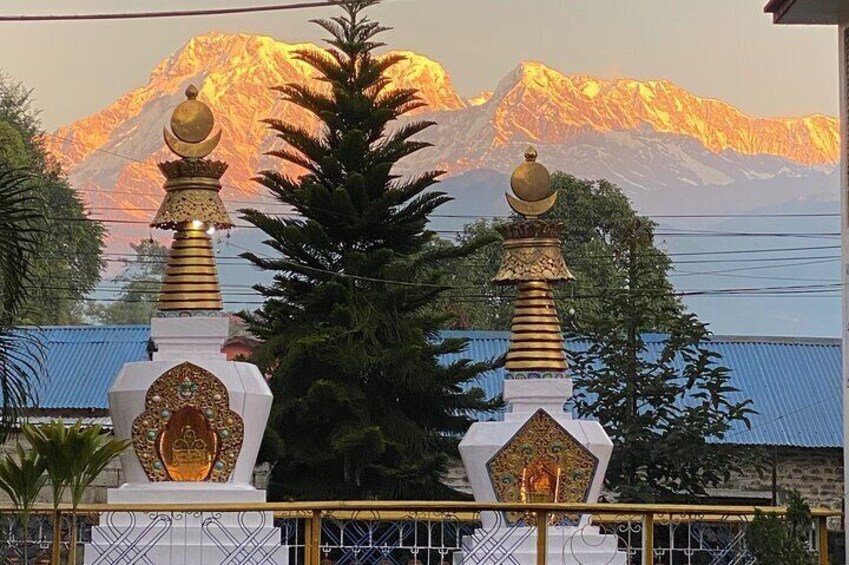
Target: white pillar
843, 62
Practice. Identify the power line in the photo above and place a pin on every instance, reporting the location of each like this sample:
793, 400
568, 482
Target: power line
715, 233
456, 216
170, 14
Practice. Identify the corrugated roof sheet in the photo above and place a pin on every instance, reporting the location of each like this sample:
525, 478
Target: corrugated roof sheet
82, 362
795, 383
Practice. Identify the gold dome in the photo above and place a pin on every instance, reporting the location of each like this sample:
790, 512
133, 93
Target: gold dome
531, 181
192, 121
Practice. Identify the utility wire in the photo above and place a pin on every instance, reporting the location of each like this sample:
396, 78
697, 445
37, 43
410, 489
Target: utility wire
169, 14
457, 216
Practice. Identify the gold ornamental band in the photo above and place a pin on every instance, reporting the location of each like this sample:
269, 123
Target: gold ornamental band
536, 335
527, 298
529, 319
517, 366
199, 183
212, 305
517, 328
530, 242
518, 346
555, 355
187, 278
190, 297
196, 260
197, 287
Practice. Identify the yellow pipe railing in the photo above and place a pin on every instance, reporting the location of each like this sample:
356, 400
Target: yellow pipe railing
312, 513
437, 506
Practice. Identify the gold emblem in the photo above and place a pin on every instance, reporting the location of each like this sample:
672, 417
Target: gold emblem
542, 462
188, 431
187, 447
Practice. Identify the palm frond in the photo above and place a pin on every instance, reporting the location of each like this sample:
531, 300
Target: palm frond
22, 220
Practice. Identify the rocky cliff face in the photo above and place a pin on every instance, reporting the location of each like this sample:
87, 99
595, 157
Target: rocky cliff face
639, 133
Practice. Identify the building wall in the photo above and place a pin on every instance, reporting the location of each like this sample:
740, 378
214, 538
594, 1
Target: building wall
816, 473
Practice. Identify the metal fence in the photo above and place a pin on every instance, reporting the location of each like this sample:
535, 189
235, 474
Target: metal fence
390, 533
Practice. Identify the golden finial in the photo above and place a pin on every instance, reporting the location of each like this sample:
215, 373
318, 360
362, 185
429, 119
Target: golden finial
531, 183
191, 124
193, 208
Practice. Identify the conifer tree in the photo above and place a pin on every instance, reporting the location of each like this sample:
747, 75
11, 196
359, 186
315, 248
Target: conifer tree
363, 407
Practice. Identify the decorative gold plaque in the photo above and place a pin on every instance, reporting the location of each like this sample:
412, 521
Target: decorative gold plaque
187, 432
542, 462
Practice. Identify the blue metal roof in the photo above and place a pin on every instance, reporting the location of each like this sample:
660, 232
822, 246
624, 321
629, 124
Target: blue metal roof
795, 383
82, 362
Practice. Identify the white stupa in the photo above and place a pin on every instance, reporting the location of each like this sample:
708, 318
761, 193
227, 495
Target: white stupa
195, 419
538, 453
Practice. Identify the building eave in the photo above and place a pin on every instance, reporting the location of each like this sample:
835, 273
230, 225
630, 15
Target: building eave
778, 8
823, 12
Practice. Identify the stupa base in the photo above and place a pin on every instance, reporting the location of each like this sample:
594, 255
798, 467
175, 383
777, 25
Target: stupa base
584, 545
186, 538
185, 493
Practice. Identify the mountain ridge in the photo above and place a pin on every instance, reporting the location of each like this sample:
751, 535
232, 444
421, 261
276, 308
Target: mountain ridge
641, 134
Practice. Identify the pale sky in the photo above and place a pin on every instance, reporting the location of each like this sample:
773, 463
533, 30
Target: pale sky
726, 49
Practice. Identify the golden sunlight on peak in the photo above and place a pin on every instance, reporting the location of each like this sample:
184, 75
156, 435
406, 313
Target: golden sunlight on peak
481, 98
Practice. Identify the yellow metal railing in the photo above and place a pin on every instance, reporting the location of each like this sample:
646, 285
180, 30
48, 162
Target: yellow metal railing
313, 514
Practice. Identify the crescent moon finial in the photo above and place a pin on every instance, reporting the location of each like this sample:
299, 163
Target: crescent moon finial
191, 123
531, 184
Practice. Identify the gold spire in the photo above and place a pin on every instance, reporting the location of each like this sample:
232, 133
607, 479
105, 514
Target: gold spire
193, 209
532, 261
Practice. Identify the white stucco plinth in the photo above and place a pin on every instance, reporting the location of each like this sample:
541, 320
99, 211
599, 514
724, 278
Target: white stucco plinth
186, 538
498, 542
564, 546
250, 397
181, 537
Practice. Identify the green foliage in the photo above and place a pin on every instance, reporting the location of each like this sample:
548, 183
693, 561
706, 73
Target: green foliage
67, 263
21, 353
782, 540
73, 455
597, 216
142, 280
664, 410
22, 478
362, 407
665, 448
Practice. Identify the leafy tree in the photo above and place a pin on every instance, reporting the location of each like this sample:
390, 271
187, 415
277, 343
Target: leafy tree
68, 262
477, 303
361, 400
771, 538
665, 405
596, 214
663, 409
142, 280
